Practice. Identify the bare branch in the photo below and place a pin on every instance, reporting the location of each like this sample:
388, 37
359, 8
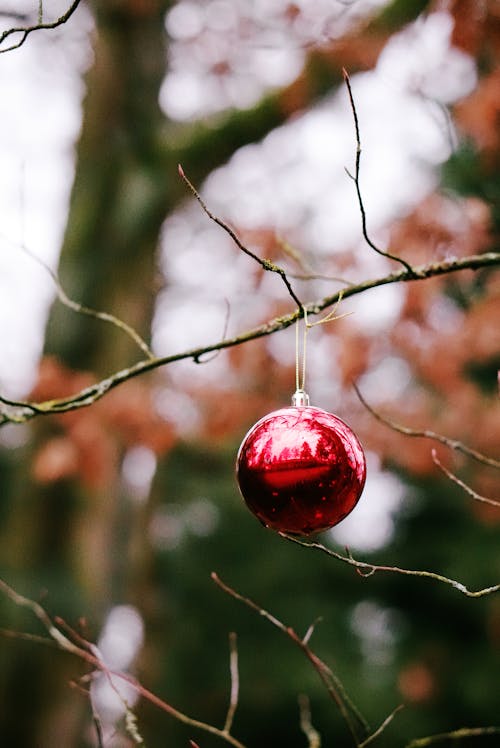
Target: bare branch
265, 264
311, 629
312, 735
13, 14
387, 721
224, 333
81, 309
235, 682
22, 411
462, 733
355, 179
367, 570
25, 31
455, 479
88, 653
354, 720
427, 434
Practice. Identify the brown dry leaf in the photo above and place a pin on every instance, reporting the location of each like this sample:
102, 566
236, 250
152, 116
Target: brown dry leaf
98, 455
417, 683
441, 227
479, 116
476, 28
470, 17
91, 440
481, 330
57, 459
58, 381
354, 355
129, 413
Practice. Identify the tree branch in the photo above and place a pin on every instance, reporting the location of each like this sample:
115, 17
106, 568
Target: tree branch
367, 570
312, 735
21, 411
265, 264
88, 653
387, 721
427, 434
354, 720
25, 31
466, 488
462, 733
235, 683
355, 179
80, 308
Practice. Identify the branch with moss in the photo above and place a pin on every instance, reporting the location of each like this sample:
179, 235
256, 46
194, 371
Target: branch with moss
15, 411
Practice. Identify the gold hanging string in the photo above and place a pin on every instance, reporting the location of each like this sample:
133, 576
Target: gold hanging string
301, 351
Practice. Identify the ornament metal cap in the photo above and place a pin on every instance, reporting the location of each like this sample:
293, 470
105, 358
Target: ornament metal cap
300, 398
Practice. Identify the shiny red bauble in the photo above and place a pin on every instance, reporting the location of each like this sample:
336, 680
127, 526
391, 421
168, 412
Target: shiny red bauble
300, 470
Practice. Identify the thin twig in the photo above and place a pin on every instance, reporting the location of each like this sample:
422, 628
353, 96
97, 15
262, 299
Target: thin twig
224, 333
427, 434
312, 735
13, 14
319, 276
306, 274
81, 309
22, 411
235, 682
387, 721
86, 654
352, 717
355, 179
455, 479
97, 722
265, 264
462, 733
311, 629
367, 570
26, 31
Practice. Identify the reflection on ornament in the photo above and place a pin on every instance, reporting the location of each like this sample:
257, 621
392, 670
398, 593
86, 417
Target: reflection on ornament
300, 469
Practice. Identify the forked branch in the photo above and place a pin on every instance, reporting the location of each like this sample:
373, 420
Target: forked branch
70, 641
367, 570
265, 264
356, 723
25, 31
15, 411
428, 434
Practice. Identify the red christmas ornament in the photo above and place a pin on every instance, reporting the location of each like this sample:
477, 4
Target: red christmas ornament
300, 469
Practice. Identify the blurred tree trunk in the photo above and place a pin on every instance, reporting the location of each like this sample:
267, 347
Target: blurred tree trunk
118, 203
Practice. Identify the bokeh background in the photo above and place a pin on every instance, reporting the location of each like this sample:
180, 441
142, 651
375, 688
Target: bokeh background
114, 516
